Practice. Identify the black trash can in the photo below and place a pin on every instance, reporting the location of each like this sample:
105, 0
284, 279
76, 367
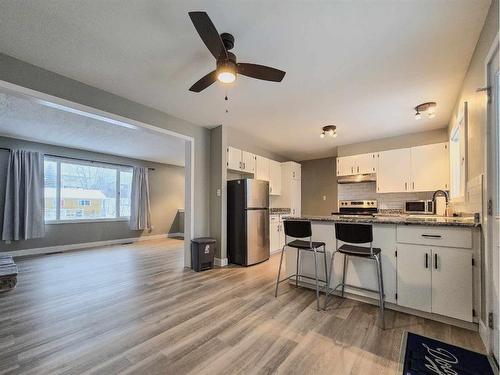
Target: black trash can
202, 253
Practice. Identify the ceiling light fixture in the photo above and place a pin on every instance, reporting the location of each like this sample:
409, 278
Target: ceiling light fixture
331, 130
429, 107
226, 72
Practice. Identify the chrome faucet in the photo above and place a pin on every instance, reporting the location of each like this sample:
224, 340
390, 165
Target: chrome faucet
440, 192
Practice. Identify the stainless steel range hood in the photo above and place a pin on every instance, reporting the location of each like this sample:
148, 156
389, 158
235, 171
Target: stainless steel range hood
357, 178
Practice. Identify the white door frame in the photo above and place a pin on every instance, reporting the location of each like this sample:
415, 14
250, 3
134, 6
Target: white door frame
109, 117
491, 152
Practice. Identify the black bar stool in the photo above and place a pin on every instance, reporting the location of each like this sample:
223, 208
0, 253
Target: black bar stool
302, 229
357, 234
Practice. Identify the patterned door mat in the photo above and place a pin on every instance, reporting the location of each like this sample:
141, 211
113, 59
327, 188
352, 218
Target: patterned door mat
422, 355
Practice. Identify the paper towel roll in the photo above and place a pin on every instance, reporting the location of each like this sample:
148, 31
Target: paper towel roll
440, 206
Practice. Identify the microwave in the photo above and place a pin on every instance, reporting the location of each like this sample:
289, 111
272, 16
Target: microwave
425, 207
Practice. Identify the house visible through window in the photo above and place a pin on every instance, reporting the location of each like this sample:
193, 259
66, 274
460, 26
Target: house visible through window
83, 190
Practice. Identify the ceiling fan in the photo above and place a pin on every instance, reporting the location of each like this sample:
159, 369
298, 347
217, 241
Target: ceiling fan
227, 66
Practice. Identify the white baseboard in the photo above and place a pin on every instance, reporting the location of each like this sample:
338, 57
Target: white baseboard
275, 251
174, 235
221, 262
83, 245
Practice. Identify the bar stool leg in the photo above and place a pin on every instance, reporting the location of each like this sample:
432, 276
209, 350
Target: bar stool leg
380, 289
326, 269
317, 281
329, 280
279, 272
297, 272
343, 274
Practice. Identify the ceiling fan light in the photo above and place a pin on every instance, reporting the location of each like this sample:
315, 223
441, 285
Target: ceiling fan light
322, 135
432, 115
334, 134
418, 116
226, 77
331, 132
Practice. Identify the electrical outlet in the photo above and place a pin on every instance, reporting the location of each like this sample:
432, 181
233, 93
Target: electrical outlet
218, 192
324, 197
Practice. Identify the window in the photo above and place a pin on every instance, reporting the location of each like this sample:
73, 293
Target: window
458, 157
81, 190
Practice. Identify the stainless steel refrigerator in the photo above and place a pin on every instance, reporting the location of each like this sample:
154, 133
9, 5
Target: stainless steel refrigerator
247, 221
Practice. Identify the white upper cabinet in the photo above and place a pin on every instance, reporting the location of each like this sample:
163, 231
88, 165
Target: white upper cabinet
248, 160
262, 168
295, 169
430, 167
290, 196
274, 177
421, 168
366, 163
356, 164
394, 171
343, 168
233, 159
238, 160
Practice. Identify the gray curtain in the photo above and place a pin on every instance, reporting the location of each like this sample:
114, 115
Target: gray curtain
23, 215
140, 210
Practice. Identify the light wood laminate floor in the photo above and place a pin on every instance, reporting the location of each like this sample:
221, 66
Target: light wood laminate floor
135, 309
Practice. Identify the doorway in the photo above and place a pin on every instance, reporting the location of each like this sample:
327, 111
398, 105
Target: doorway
107, 135
493, 201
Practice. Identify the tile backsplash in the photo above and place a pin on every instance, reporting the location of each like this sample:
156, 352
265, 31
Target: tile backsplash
368, 190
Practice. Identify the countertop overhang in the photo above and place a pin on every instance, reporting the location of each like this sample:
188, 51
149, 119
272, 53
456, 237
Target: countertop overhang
393, 219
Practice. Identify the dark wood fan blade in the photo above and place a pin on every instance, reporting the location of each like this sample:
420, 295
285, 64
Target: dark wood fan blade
209, 34
203, 83
261, 72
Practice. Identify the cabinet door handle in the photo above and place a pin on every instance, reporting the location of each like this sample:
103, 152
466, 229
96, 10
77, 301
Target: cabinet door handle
358, 169
431, 235
406, 186
435, 261
426, 260
413, 185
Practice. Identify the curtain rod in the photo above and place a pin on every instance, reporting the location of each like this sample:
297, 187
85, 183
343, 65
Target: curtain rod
80, 159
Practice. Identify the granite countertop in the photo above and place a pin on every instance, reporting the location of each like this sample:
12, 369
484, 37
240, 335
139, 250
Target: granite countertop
394, 219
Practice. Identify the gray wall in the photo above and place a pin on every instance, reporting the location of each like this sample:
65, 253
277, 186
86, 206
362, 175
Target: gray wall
30, 76
218, 182
401, 141
319, 180
167, 196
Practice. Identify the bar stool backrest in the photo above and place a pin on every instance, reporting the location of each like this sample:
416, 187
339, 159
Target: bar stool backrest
297, 228
354, 233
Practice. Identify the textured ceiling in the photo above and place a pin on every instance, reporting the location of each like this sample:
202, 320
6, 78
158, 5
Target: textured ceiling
27, 119
361, 65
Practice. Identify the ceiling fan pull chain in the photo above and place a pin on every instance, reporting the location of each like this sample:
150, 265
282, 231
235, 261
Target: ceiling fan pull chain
226, 99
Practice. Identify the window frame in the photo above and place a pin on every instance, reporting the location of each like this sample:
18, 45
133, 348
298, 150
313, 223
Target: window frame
460, 129
116, 167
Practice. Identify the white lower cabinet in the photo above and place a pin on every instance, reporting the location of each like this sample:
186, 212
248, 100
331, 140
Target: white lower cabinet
276, 233
436, 280
452, 282
414, 277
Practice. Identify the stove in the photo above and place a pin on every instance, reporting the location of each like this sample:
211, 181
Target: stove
359, 207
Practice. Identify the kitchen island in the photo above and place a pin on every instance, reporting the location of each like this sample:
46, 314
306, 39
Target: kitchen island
430, 264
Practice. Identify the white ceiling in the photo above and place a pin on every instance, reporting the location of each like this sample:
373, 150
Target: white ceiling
362, 65
29, 120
